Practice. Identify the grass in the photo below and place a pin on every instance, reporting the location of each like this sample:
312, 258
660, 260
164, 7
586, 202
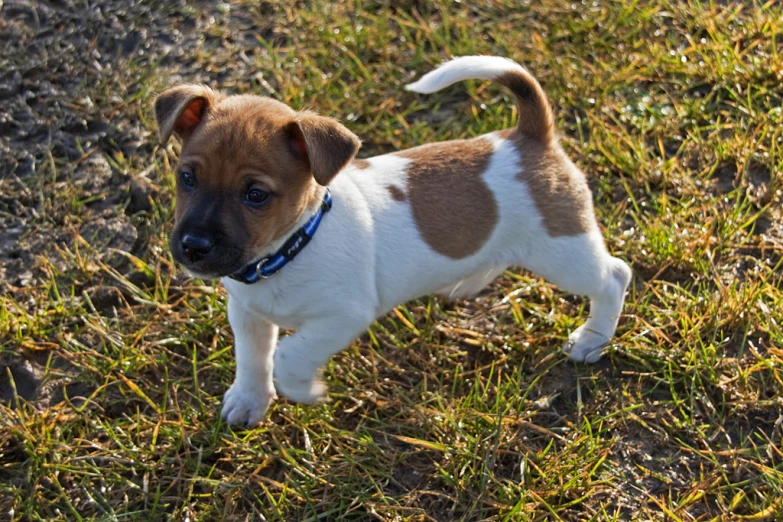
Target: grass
442, 411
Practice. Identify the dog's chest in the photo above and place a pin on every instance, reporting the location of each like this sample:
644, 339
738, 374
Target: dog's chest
268, 300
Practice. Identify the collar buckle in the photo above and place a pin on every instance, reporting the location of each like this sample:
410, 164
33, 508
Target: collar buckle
260, 265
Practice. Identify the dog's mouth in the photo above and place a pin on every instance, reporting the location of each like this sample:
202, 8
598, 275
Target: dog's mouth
222, 262
200, 275
209, 274
211, 271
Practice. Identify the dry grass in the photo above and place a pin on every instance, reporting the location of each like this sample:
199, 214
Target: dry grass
114, 364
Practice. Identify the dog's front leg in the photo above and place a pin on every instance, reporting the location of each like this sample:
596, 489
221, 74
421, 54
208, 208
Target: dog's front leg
248, 399
300, 356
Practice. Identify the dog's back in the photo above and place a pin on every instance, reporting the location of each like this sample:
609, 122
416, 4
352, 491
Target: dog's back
458, 212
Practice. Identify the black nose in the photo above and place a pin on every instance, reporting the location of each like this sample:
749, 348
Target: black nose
195, 247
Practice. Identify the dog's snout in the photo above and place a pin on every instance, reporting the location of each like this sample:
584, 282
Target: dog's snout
196, 247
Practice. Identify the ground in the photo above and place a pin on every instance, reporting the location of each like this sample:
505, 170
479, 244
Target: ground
113, 363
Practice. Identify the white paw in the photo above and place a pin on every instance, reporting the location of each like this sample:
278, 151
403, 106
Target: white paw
295, 381
585, 345
245, 405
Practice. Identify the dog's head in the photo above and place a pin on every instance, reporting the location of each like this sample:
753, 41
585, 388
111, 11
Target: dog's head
250, 167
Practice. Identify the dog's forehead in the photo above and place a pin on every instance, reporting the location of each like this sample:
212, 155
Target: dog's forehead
240, 121
268, 109
243, 134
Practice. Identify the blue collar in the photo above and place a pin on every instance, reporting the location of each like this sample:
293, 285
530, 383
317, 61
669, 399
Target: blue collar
268, 266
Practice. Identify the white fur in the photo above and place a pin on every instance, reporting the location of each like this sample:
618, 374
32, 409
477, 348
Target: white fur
368, 256
464, 68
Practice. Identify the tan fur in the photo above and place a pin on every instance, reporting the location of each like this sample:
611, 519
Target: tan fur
246, 141
536, 119
396, 193
453, 208
330, 146
361, 163
180, 109
242, 144
559, 190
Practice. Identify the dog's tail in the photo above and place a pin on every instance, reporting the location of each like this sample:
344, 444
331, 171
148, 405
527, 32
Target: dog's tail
535, 115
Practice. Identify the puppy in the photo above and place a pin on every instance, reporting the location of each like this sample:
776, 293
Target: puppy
307, 238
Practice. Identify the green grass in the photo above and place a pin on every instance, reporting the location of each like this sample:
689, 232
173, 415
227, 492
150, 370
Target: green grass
443, 411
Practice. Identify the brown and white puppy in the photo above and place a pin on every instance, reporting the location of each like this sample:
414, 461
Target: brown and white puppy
446, 217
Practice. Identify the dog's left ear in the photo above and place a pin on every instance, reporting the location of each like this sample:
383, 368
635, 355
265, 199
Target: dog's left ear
179, 110
325, 144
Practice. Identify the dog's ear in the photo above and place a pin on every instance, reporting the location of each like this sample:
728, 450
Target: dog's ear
325, 144
181, 109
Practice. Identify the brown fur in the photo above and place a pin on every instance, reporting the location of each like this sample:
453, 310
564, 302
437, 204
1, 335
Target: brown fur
180, 109
330, 146
250, 141
243, 144
535, 119
361, 163
396, 193
453, 208
559, 190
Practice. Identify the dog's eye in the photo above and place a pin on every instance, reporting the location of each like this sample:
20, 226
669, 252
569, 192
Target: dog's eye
257, 196
188, 179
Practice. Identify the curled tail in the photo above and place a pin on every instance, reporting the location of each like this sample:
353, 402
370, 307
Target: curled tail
535, 115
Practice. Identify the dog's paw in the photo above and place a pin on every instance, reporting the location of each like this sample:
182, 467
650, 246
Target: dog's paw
305, 388
585, 345
243, 405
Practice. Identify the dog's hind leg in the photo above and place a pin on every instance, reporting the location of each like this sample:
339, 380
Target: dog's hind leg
581, 265
606, 304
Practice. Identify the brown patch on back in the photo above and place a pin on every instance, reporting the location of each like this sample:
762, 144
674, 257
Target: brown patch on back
453, 207
396, 193
559, 190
